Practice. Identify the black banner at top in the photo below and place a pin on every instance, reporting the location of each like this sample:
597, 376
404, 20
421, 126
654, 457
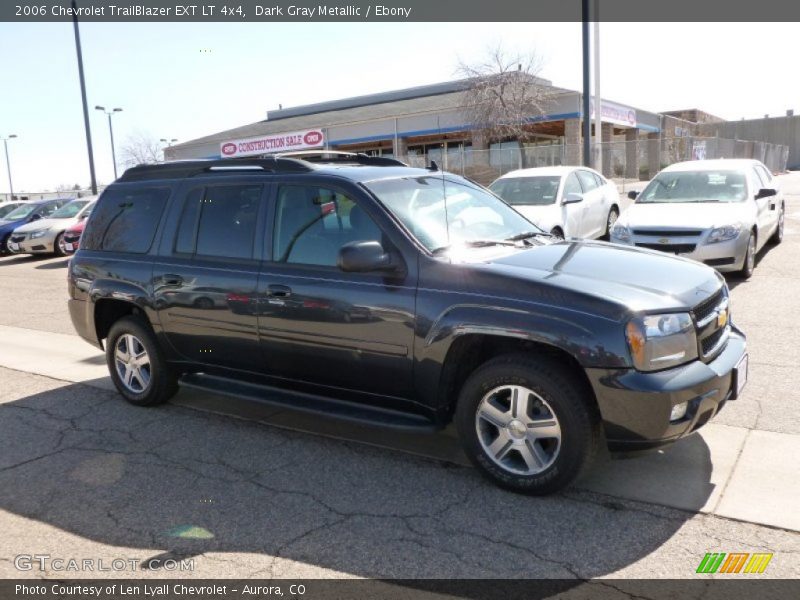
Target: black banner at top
265, 11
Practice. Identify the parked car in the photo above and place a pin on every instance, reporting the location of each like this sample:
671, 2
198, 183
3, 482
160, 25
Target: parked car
27, 212
540, 350
7, 207
720, 212
72, 236
566, 201
46, 236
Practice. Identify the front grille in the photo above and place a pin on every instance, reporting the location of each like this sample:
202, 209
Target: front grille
703, 310
669, 232
710, 343
712, 332
671, 248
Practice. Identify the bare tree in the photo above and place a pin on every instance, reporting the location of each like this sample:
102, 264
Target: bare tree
504, 93
140, 148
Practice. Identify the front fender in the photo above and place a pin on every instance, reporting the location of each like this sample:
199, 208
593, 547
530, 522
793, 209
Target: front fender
589, 339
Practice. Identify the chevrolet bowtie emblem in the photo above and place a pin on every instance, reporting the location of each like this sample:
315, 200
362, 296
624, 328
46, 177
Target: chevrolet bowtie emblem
722, 318
663, 241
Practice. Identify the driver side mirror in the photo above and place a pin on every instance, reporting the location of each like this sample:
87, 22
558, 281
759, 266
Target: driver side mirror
35, 217
632, 194
765, 193
363, 257
572, 198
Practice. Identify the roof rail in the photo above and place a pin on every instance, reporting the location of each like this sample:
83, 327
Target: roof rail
338, 156
186, 168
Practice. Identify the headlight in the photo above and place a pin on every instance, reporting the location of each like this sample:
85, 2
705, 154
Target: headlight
661, 341
621, 233
723, 234
38, 233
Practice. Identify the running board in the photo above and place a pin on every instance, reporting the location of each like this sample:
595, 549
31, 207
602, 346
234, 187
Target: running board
309, 403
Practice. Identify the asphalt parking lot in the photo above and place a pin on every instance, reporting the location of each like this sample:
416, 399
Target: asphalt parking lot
243, 493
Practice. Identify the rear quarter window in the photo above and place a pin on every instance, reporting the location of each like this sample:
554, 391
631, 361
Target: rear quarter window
125, 220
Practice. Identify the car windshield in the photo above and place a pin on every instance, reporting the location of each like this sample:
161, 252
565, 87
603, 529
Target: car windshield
442, 211
21, 212
7, 208
527, 191
69, 210
695, 186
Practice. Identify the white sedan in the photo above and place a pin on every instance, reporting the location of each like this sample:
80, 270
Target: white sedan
720, 212
565, 201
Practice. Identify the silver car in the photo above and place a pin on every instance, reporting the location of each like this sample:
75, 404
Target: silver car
719, 212
46, 236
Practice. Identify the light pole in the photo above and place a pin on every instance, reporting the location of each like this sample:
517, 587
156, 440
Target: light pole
111, 133
8, 163
83, 97
168, 142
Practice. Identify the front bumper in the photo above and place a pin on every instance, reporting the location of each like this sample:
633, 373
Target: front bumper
723, 256
40, 245
636, 406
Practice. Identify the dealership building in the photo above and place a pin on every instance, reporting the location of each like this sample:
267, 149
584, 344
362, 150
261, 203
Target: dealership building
430, 122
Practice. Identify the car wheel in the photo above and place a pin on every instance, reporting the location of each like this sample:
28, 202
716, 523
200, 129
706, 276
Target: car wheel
136, 364
777, 237
613, 215
58, 246
557, 233
527, 424
749, 257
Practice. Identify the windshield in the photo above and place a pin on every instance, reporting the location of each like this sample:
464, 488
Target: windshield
470, 214
69, 210
21, 212
7, 208
695, 186
522, 191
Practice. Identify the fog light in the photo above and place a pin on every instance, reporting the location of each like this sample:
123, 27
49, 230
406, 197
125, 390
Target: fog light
678, 411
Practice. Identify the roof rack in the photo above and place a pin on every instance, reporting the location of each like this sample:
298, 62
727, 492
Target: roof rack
187, 168
338, 156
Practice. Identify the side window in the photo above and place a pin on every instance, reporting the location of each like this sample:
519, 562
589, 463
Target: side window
758, 179
588, 181
125, 219
227, 224
187, 227
766, 176
571, 185
47, 209
600, 181
312, 223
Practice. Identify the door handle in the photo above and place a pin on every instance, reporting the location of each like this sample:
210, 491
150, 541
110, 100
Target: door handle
279, 291
172, 279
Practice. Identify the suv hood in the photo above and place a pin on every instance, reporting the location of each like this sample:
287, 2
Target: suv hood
47, 224
632, 278
700, 215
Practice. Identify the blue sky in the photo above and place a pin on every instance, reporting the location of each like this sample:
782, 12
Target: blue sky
187, 80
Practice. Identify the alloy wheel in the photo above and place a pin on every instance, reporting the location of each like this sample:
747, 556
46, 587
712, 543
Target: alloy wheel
518, 430
132, 363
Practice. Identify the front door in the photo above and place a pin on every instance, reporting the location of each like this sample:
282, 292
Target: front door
205, 279
574, 212
319, 324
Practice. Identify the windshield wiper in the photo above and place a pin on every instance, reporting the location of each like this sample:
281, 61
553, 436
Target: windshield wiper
475, 244
528, 234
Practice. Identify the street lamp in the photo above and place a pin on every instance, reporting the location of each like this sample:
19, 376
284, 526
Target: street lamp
111, 133
168, 142
8, 163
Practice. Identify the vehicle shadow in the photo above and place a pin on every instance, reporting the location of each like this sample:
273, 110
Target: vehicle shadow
10, 259
174, 481
61, 264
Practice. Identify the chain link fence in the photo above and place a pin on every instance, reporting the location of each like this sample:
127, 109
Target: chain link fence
625, 162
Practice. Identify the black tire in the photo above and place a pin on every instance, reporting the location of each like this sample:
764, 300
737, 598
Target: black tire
612, 217
777, 237
57, 250
557, 233
162, 383
570, 401
749, 257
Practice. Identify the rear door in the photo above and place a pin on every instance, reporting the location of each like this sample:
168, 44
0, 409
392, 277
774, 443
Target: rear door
318, 324
206, 275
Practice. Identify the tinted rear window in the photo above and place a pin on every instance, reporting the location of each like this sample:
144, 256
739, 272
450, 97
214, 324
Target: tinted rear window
125, 220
